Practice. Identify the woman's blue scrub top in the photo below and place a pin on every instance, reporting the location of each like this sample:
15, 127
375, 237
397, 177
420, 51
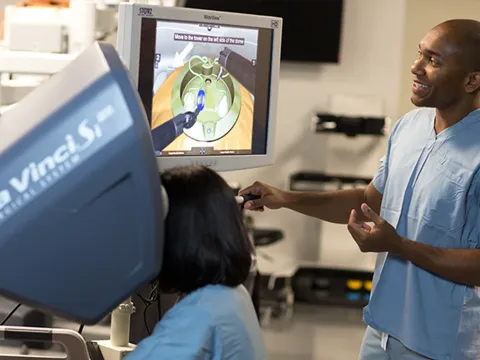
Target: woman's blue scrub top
214, 322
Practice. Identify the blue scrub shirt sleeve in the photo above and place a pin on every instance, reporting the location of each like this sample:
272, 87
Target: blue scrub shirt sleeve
380, 178
183, 333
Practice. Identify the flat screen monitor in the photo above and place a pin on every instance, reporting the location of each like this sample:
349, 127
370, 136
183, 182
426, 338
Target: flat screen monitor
323, 19
208, 81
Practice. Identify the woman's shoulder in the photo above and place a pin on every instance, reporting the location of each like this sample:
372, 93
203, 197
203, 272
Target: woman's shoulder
216, 304
203, 322
217, 298
220, 291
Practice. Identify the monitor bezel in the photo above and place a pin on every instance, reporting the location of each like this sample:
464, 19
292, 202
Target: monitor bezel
128, 45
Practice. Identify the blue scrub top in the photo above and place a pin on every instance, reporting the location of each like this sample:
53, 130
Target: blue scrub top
431, 194
215, 322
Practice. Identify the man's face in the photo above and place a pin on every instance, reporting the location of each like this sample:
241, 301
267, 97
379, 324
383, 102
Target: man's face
439, 78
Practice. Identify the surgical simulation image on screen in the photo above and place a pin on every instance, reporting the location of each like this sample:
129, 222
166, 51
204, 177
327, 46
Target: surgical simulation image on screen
208, 73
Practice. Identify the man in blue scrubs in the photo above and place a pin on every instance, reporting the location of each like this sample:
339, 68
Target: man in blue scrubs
424, 210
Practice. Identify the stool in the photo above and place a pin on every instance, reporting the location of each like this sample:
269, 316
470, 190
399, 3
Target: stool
277, 293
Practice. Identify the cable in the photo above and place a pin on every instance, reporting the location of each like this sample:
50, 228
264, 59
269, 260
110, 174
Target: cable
152, 298
81, 329
145, 318
10, 315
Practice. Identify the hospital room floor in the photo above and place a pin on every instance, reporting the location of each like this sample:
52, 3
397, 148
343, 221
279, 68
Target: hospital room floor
316, 333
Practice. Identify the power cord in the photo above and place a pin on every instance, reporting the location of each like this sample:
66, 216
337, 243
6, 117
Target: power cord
10, 315
145, 319
81, 329
152, 298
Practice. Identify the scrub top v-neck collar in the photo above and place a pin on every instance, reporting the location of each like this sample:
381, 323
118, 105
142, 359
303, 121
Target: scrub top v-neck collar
472, 118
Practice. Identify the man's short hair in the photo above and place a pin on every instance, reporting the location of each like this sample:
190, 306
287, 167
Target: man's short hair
205, 239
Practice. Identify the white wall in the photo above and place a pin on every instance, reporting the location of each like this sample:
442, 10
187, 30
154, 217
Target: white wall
370, 67
4, 3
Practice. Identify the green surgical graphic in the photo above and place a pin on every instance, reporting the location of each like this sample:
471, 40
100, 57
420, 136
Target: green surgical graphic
222, 98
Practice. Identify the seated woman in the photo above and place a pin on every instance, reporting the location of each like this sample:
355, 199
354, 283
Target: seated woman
207, 258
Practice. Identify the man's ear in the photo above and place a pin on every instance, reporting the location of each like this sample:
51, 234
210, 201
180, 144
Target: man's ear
472, 82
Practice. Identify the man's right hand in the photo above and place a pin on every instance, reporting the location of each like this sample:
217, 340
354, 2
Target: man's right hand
271, 197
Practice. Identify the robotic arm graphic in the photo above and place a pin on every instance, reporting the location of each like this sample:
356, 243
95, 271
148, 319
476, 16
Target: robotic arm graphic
164, 134
239, 67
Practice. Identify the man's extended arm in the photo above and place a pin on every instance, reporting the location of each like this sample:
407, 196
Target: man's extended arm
329, 206
333, 206
457, 265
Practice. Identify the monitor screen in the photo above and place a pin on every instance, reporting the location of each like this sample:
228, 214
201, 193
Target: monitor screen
208, 82
215, 72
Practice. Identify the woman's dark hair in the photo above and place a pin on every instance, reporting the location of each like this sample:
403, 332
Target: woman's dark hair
205, 240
